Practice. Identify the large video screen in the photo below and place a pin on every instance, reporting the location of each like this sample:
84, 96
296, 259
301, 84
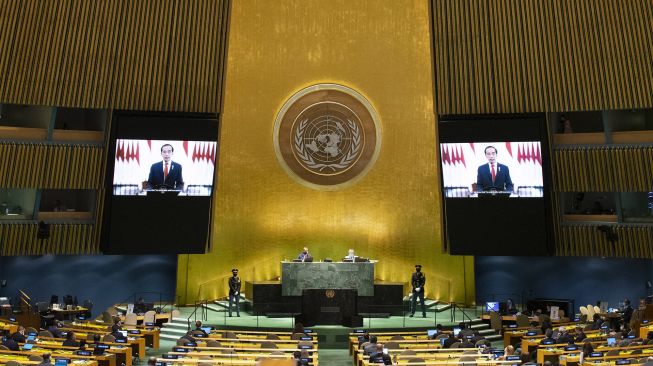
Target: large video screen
511, 168
142, 166
495, 184
159, 183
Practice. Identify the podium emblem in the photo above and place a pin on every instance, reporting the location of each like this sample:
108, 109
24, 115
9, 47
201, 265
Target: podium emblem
327, 136
330, 294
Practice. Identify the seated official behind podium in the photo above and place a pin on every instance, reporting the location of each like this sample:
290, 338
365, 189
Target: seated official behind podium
493, 176
351, 256
166, 174
305, 256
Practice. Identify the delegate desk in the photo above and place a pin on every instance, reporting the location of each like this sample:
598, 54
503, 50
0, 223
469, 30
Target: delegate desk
298, 276
65, 314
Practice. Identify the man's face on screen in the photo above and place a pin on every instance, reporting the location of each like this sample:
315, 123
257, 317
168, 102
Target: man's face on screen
166, 153
491, 155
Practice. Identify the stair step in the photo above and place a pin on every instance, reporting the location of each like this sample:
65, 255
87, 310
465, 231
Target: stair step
174, 331
486, 332
175, 324
217, 308
479, 326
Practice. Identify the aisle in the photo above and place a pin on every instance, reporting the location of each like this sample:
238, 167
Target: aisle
335, 357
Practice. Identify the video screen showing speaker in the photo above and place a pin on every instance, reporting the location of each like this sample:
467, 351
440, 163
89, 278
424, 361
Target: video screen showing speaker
144, 167
160, 183
511, 168
495, 184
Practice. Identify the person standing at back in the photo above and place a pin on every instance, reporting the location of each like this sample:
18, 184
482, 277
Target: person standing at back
417, 281
234, 291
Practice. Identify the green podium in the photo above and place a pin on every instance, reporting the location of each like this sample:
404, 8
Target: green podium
298, 276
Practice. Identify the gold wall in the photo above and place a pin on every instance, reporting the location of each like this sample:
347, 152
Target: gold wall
382, 49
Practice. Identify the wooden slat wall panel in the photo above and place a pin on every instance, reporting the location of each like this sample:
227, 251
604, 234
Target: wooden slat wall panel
603, 169
496, 56
587, 240
21, 239
118, 54
33, 165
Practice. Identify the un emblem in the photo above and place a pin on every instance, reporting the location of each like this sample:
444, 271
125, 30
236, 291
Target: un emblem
327, 136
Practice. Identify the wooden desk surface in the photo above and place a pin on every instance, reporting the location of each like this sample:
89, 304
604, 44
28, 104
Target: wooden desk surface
123, 353
76, 359
137, 343
151, 334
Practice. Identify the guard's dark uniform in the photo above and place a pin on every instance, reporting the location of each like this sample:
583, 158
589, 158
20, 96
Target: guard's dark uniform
234, 292
418, 280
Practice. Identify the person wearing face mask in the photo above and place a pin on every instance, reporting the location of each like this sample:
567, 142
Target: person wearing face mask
417, 281
234, 291
304, 256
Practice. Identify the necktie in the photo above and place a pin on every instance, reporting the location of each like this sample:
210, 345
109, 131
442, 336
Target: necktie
494, 173
165, 172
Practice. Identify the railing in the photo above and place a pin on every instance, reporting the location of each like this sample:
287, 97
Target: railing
202, 305
455, 306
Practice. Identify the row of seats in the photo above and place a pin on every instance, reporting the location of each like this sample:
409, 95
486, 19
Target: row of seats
235, 347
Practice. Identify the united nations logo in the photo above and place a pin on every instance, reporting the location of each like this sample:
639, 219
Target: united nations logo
327, 136
330, 294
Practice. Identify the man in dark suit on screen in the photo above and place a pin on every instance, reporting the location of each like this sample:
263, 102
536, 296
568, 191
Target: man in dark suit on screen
493, 176
166, 174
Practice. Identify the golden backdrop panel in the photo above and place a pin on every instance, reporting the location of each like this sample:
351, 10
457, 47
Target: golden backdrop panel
382, 50
500, 56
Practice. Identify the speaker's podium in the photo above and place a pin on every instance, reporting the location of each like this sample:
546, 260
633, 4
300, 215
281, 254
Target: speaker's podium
329, 307
329, 290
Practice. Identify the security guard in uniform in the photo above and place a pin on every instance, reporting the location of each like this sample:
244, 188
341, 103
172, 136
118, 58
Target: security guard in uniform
418, 280
234, 291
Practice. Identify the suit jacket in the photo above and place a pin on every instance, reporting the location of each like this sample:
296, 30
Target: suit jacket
502, 180
174, 179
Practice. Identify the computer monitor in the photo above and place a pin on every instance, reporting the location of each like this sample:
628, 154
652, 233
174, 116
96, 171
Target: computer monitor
611, 341
456, 331
61, 361
31, 337
432, 332
491, 306
27, 346
123, 332
442, 341
207, 330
